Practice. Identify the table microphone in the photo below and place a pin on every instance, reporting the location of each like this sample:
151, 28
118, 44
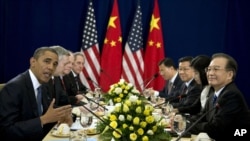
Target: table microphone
151, 79
95, 83
103, 121
89, 99
171, 99
107, 75
217, 106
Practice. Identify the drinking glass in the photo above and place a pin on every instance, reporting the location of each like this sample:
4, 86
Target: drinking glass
86, 119
146, 93
167, 110
153, 99
97, 92
179, 124
75, 136
94, 103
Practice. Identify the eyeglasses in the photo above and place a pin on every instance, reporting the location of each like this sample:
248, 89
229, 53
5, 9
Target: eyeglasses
214, 69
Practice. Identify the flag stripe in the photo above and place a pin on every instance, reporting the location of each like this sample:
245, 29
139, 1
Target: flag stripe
94, 68
133, 66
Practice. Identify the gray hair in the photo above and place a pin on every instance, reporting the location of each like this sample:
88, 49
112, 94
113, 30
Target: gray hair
60, 51
78, 54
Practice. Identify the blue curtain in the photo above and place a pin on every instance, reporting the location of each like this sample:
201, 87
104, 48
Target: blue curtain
189, 28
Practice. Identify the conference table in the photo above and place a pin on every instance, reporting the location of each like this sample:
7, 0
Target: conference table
50, 137
94, 137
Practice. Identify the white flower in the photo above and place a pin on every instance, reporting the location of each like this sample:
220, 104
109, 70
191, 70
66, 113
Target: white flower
130, 85
133, 98
118, 90
112, 87
135, 91
118, 105
121, 81
150, 132
121, 117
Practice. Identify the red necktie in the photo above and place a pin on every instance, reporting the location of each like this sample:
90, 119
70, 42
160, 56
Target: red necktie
63, 84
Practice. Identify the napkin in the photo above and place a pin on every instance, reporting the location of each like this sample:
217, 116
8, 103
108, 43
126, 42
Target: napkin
76, 111
91, 139
203, 137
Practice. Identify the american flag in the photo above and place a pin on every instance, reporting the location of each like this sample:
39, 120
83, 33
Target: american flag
90, 48
133, 65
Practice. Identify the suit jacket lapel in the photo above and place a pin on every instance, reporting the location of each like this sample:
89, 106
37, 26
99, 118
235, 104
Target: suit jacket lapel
31, 93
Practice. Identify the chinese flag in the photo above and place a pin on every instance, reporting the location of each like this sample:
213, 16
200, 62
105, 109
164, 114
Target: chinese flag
154, 50
111, 58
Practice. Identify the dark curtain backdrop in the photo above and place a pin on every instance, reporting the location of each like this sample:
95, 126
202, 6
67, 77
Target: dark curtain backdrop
189, 28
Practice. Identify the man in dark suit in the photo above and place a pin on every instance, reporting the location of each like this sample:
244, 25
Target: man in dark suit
168, 71
227, 110
56, 84
26, 107
189, 89
73, 84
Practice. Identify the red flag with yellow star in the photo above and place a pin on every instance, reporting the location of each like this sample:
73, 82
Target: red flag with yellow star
154, 51
111, 58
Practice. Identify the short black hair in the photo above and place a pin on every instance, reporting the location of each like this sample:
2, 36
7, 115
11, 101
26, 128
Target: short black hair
168, 62
41, 50
186, 58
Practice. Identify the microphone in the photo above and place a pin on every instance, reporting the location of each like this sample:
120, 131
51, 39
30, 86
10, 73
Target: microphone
103, 121
150, 80
171, 99
89, 99
108, 76
95, 83
217, 106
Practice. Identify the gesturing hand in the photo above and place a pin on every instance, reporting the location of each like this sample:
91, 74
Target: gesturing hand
56, 114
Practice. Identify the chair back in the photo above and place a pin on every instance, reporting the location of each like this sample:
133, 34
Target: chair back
1, 86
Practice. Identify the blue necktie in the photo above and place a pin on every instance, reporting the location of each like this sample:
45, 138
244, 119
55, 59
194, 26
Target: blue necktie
214, 99
39, 100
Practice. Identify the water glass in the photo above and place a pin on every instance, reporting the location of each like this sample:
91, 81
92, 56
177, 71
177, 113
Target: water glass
75, 136
179, 124
86, 119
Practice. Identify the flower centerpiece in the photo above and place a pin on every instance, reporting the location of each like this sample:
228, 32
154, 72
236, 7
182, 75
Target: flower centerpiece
120, 91
131, 118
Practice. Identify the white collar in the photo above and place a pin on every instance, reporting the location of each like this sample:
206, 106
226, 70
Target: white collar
187, 83
34, 80
173, 78
74, 74
217, 93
